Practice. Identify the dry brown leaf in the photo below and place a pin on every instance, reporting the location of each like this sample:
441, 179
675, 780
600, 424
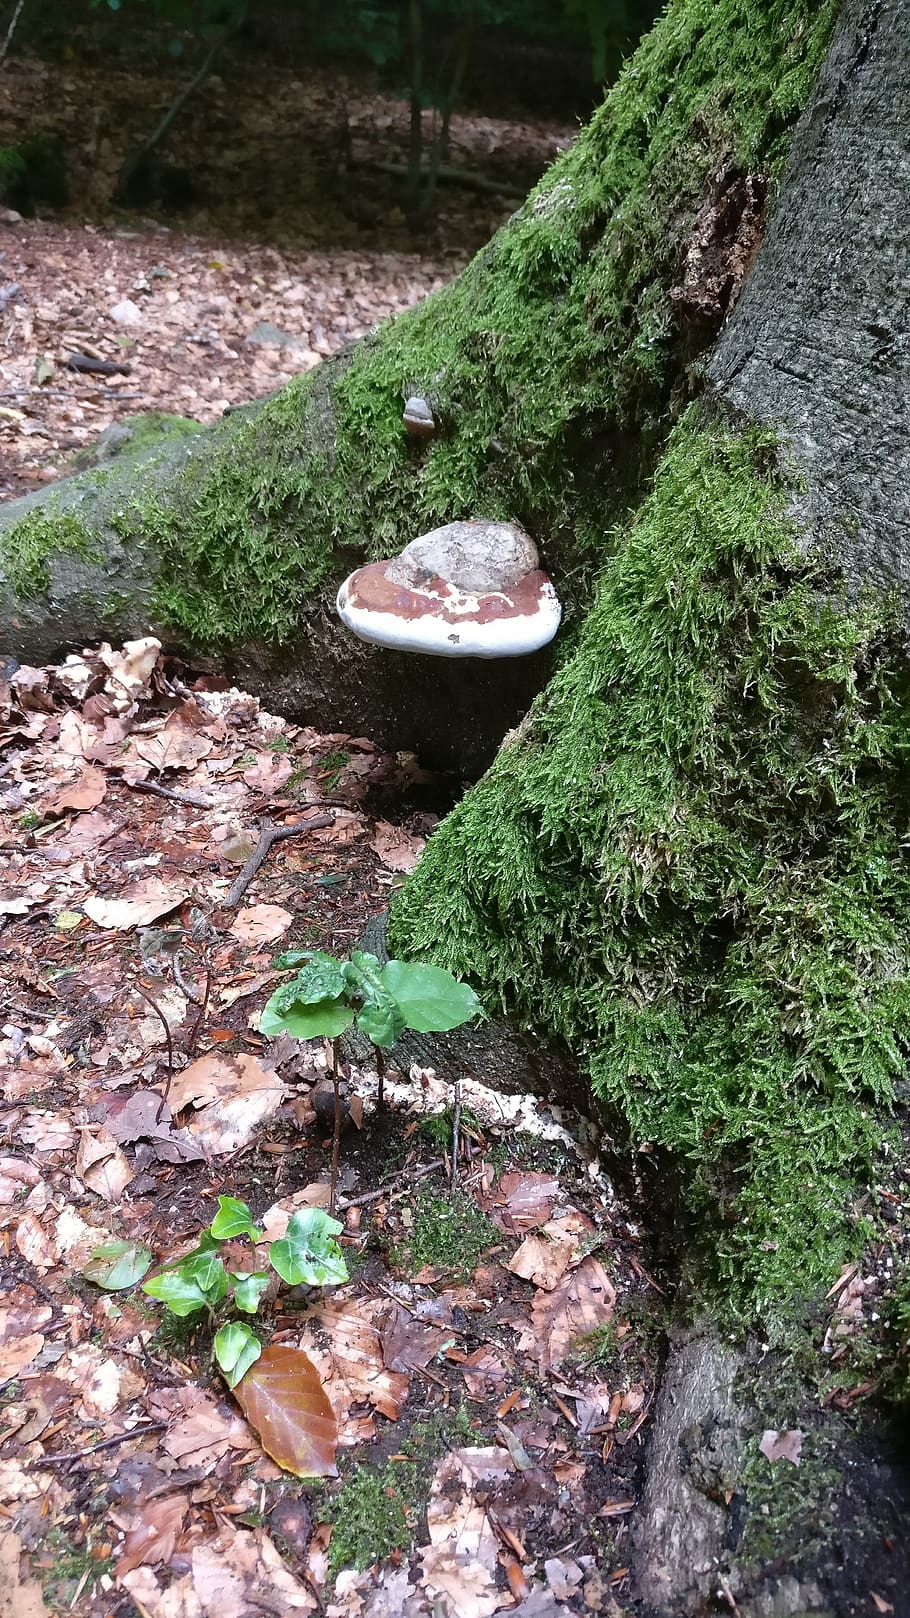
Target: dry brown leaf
142, 904
201, 1432
583, 1300
356, 1353
86, 793
130, 669
178, 1600
152, 1534
283, 1399
15, 1175
459, 1565
176, 746
239, 1093
522, 1200
782, 1446
19, 1597
545, 1256
270, 772
102, 1166
21, 1339
260, 924
398, 849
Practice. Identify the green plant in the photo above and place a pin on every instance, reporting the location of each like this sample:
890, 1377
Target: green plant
306, 1255
327, 995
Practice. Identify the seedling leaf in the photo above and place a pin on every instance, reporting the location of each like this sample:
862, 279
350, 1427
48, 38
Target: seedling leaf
326, 1018
307, 1255
236, 1348
117, 1265
248, 1289
430, 999
181, 1295
233, 1219
282, 1397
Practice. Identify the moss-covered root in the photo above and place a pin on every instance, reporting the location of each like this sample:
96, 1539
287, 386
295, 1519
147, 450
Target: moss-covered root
691, 865
555, 363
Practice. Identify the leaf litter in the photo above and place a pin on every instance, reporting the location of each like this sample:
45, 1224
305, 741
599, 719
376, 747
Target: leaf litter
138, 1090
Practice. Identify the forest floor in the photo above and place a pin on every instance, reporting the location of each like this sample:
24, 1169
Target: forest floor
294, 243
488, 1360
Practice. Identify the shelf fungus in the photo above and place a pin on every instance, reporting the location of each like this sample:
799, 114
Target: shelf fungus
470, 589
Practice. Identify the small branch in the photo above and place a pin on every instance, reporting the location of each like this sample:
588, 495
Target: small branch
165, 1025
10, 31
387, 1190
190, 798
336, 1133
269, 833
177, 105
181, 982
200, 1018
456, 1132
93, 1449
380, 1074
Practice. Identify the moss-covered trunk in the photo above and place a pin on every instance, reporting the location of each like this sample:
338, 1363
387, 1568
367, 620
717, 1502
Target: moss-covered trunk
691, 863
556, 365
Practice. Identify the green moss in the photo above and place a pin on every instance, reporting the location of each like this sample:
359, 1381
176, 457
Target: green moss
556, 362
691, 866
25, 550
370, 1516
449, 1233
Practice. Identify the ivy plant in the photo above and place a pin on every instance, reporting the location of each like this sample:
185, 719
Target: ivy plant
307, 1255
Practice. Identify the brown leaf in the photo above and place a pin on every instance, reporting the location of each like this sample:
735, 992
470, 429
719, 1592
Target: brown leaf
175, 747
261, 924
398, 849
143, 903
269, 773
20, 1337
522, 1201
782, 1446
152, 1534
283, 1398
86, 793
583, 1300
545, 1256
19, 1598
239, 1093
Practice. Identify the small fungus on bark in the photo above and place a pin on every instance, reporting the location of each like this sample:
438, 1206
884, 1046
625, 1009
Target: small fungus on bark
470, 589
418, 417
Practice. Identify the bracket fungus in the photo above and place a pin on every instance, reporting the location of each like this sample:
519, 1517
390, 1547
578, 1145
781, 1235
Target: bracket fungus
470, 589
418, 417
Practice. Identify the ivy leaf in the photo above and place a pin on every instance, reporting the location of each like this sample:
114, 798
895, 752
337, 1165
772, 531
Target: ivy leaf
117, 1265
326, 1019
321, 979
248, 1288
181, 1295
208, 1271
430, 999
307, 1255
283, 1398
233, 1219
236, 1348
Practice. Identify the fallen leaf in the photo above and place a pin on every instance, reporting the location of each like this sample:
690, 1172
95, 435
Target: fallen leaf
283, 1398
460, 1563
583, 1300
102, 1166
544, 1256
881, 1605
398, 849
522, 1200
130, 669
152, 1534
19, 1597
176, 746
782, 1446
239, 1093
261, 924
86, 793
357, 1362
200, 1432
142, 904
270, 772
21, 1339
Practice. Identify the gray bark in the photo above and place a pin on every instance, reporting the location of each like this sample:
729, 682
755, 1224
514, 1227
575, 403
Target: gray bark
818, 347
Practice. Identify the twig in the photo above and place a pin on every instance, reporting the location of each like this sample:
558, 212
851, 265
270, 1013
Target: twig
191, 798
170, 1051
336, 1133
10, 31
269, 833
178, 103
729, 1596
380, 1074
200, 1019
104, 1443
181, 982
387, 1191
456, 1131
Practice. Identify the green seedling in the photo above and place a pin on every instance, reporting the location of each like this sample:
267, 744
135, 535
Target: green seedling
328, 995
